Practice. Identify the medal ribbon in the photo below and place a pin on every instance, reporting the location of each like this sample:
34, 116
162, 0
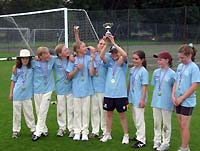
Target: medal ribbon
63, 69
82, 75
181, 75
161, 79
24, 74
134, 76
114, 67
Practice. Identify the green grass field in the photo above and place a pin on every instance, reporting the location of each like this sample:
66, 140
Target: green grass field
53, 143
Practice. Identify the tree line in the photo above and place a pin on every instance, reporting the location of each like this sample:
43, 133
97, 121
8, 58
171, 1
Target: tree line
18, 6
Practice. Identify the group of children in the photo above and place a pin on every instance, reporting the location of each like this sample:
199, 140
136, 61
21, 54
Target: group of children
93, 84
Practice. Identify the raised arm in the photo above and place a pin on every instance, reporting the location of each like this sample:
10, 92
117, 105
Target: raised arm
103, 50
122, 52
76, 34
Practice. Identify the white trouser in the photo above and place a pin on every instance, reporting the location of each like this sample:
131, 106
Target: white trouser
162, 116
42, 102
97, 113
65, 107
138, 118
27, 108
81, 115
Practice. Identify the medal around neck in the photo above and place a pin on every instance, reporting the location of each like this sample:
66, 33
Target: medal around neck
112, 80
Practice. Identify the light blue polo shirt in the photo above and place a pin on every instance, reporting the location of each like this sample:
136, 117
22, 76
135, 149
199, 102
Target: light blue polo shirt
187, 74
81, 82
116, 89
43, 76
63, 84
137, 78
23, 80
99, 79
162, 99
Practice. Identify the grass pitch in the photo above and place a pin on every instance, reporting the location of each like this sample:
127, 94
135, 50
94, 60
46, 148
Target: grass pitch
54, 143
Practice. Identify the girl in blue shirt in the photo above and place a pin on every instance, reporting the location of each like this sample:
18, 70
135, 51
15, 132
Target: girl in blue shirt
63, 91
21, 92
184, 92
138, 81
80, 72
162, 80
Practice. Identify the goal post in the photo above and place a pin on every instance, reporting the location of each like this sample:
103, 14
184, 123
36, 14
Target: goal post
44, 28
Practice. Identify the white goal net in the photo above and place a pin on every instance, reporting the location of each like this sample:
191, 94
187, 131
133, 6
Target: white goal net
44, 28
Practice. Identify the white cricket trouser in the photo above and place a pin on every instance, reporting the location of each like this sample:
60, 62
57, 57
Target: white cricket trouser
42, 102
160, 117
27, 108
138, 118
98, 113
81, 115
65, 107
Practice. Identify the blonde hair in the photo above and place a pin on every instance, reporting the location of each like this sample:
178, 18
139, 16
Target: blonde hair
59, 48
77, 45
42, 50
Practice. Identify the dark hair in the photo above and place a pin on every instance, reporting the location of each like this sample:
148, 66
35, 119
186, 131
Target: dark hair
187, 50
193, 53
141, 55
19, 62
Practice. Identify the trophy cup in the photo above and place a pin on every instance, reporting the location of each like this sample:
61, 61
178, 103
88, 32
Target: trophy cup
108, 26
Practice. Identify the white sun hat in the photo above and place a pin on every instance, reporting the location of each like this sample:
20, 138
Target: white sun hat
24, 53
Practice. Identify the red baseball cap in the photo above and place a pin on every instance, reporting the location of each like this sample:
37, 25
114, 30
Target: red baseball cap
163, 55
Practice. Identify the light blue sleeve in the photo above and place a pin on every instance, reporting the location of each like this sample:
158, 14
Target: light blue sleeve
13, 77
145, 77
70, 67
195, 74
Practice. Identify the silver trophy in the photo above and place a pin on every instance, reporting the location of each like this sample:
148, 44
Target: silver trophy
108, 26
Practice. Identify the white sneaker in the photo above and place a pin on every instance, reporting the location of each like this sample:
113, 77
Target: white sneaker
163, 147
84, 137
125, 139
156, 145
76, 137
60, 133
15, 135
183, 149
106, 137
71, 134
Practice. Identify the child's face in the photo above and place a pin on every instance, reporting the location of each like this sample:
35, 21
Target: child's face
101, 44
65, 52
45, 56
115, 55
137, 62
162, 62
183, 58
83, 48
25, 60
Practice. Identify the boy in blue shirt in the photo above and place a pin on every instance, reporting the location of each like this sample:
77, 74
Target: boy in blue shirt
43, 86
115, 95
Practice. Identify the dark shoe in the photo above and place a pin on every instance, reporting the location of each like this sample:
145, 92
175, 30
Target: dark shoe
45, 134
92, 136
133, 139
100, 137
35, 137
138, 144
